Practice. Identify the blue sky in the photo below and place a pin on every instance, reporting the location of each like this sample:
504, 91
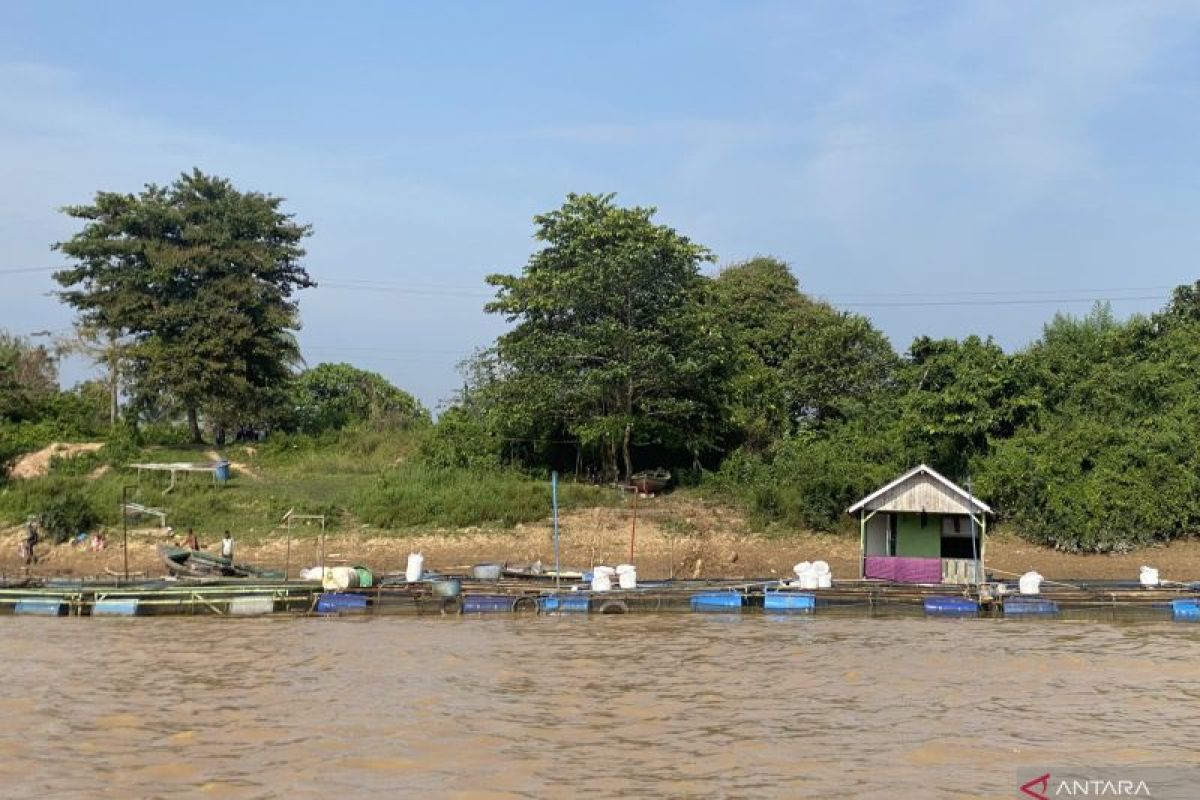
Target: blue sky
898, 156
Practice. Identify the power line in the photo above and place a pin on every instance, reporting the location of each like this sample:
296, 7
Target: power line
989, 297
1012, 302
28, 269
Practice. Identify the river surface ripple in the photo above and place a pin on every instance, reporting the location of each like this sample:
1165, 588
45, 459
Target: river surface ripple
669, 705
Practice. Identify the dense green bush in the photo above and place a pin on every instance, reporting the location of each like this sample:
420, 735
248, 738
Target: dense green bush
65, 506
1087, 484
459, 441
808, 480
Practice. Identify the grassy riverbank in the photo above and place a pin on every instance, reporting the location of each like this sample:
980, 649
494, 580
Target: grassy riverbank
381, 500
355, 479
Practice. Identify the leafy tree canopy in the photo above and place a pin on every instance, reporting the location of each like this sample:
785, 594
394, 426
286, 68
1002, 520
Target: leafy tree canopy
200, 278
333, 396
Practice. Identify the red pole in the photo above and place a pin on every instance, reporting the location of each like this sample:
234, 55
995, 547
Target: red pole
633, 527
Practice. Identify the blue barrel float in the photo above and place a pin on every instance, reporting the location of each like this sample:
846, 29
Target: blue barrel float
40, 607
1185, 610
115, 607
565, 603
331, 603
716, 601
487, 603
788, 601
1029, 607
951, 607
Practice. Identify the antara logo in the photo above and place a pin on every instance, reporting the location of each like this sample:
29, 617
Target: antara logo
1042, 781
1043, 788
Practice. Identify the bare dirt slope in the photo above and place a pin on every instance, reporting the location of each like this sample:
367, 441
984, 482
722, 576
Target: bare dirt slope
37, 464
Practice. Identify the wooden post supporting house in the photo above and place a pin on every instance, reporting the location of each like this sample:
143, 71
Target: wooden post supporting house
922, 528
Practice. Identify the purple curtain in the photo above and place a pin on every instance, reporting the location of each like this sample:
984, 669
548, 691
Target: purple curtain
904, 569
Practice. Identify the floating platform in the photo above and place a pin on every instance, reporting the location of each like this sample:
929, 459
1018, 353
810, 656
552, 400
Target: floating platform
251, 597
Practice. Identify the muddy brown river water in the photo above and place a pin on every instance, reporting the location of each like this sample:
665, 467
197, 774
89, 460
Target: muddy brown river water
637, 706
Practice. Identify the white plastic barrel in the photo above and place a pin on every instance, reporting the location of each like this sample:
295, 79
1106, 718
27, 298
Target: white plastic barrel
627, 578
820, 567
809, 580
824, 580
601, 582
1031, 583
801, 568
1149, 576
415, 568
345, 577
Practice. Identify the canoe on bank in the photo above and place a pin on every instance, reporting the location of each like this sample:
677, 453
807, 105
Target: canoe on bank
650, 482
198, 564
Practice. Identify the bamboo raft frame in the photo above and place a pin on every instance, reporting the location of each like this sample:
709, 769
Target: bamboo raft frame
855, 597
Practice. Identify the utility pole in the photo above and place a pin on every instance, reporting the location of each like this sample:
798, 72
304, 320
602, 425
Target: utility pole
125, 530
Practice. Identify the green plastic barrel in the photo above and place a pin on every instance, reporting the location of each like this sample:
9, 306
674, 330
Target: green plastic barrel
365, 579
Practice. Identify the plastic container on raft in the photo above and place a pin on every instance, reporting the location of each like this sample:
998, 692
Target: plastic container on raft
802, 567
365, 578
1148, 576
601, 582
627, 576
415, 567
447, 587
486, 572
1030, 583
339, 579
810, 580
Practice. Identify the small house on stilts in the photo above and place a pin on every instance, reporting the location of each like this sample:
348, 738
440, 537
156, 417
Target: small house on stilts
922, 528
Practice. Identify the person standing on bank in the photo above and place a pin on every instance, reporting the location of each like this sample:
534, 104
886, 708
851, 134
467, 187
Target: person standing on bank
227, 547
31, 540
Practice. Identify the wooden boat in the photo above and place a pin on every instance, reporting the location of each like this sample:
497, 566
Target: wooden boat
538, 570
649, 482
198, 564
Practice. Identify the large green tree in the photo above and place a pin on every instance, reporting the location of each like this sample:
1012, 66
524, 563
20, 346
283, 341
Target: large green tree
614, 342
199, 278
799, 362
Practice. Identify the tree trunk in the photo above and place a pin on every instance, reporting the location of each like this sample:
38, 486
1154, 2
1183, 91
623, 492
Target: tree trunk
114, 381
194, 425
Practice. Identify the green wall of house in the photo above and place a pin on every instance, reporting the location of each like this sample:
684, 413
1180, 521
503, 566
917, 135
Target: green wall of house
914, 540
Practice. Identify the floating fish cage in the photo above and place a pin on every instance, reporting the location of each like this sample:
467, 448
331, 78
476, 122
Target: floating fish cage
243, 597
